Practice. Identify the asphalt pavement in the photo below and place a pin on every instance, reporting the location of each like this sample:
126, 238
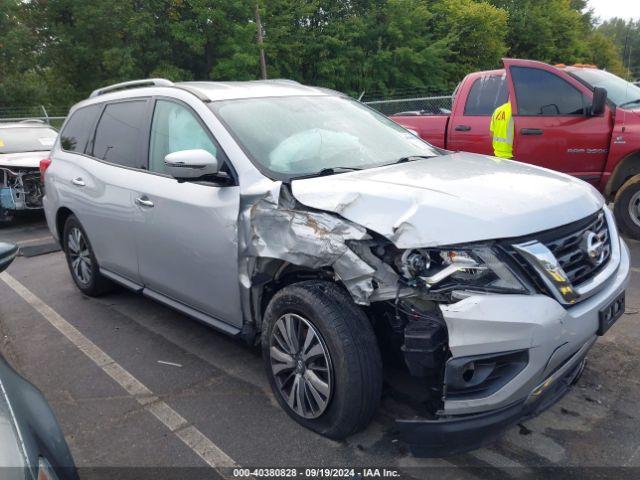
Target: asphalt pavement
137, 387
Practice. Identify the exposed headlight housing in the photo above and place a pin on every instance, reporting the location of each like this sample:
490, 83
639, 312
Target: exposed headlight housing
471, 268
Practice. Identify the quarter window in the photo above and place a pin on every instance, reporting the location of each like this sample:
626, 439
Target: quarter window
487, 93
175, 128
76, 132
543, 93
119, 134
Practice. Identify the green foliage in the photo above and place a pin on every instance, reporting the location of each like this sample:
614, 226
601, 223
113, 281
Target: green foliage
55, 52
626, 35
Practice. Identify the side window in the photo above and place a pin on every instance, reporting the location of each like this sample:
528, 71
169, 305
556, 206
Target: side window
76, 132
542, 93
174, 128
119, 133
487, 93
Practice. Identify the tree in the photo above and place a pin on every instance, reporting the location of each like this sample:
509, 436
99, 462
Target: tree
626, 35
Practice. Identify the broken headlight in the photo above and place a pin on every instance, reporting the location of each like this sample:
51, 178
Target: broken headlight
470, 268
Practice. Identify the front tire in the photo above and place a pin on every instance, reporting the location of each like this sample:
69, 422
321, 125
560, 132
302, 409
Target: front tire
322, 358
81, 260
627, 208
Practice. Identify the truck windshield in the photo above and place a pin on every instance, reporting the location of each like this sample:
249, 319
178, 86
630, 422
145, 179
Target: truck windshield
26, 139
303, 135
619, 91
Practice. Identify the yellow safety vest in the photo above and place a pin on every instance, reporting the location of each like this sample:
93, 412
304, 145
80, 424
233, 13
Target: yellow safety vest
502, 129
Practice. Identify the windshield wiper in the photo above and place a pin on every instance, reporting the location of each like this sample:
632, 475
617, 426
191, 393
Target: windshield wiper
626, 104
409, 158
327, 171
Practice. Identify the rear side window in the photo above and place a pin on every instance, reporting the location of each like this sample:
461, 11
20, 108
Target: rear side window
542, 93
78, 129
119, 134
486, 94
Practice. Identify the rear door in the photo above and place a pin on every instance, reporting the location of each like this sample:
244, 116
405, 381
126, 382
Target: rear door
553, 128
105, 187
469, 124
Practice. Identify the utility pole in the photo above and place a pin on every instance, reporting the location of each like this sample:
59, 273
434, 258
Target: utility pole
263, 62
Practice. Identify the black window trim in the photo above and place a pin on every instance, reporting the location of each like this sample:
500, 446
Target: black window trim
464, 110
571, 115
226, 160
141, 143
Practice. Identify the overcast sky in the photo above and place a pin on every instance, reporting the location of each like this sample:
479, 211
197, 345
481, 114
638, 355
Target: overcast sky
616, 8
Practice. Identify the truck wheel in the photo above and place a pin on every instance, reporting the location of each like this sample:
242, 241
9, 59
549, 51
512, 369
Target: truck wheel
322, 358
627, 208
82, 261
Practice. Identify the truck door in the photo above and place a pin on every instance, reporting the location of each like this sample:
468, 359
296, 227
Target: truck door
469, 123
553, 125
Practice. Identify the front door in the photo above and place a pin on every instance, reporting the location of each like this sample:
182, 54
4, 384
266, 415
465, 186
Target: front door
553, 127
188, 249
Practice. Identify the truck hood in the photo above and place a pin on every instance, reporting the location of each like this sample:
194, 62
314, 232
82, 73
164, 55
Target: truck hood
22, 159
452, 199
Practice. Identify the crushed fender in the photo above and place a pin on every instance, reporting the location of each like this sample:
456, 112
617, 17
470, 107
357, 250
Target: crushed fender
277, 226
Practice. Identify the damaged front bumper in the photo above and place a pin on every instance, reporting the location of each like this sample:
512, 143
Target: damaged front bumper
449, 436
556, 341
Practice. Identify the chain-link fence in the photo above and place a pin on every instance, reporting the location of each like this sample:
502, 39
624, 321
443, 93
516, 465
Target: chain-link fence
53, 116
440, 105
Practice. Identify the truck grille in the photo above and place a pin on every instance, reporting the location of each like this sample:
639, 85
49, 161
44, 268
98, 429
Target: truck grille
568, 245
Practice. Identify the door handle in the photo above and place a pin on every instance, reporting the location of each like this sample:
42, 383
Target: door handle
531, 131
144, 201
78, 182
462, 128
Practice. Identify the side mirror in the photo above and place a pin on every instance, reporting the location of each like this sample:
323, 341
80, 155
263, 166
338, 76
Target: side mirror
8, 252
190, 164
599, 101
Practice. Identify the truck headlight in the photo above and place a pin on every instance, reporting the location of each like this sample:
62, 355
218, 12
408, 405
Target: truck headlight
476, 267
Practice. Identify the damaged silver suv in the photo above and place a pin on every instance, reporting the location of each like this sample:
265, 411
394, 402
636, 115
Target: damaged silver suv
349, 248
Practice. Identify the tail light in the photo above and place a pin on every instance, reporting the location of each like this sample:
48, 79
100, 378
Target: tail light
44, 164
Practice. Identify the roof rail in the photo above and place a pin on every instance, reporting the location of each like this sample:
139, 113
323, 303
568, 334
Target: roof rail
32, 120
157, 82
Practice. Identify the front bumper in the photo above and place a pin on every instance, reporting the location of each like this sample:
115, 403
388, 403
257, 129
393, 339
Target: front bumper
557, 340
440, 438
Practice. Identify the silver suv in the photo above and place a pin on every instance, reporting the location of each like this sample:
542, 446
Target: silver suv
300, 219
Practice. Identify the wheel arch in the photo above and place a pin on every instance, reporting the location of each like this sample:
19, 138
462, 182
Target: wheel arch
627, 168
61, 217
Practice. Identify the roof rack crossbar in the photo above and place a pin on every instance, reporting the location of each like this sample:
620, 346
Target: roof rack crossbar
157, 82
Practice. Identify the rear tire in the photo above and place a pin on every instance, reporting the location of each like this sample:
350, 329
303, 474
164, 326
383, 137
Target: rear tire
626, 208
342, 343
81, 260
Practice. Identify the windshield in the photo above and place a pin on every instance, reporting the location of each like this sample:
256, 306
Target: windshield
297, 136
619, 91
26, 139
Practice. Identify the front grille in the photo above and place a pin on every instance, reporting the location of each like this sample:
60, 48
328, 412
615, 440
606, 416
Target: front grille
567, 245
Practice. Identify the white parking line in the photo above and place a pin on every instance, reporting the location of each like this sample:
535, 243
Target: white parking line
176, 423
497, 460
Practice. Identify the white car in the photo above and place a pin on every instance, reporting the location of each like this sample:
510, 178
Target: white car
300, 218
22, 146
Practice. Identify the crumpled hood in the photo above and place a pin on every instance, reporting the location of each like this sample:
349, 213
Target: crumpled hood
451, 199
22, 159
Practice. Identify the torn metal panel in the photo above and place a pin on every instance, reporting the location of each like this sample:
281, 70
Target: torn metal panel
276, 226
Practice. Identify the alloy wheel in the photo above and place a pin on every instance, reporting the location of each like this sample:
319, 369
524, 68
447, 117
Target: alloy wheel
79, 256
301, 365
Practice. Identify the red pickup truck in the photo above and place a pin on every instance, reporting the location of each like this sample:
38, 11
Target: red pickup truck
578, 120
